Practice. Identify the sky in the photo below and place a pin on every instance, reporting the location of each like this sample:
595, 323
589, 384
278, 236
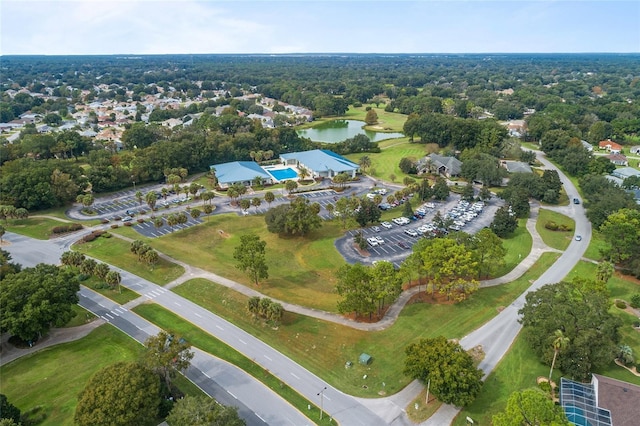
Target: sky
85, 27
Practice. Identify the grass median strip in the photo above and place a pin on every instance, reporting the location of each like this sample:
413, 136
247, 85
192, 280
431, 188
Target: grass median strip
206, 342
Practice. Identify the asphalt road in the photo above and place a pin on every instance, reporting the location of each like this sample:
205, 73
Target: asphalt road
344, 408
497, 335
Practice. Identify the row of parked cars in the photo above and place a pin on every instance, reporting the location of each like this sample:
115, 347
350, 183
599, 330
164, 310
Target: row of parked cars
464, 213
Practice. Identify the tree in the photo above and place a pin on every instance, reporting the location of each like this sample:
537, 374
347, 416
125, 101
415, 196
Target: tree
203, 411
250, 257
560, 343
245, 203
467, 192
8, 410
2, 232
504, 222
113, 279
488, 251
195, 213
407, 166
101, 270
449, 369
35, 299
151, 198
269, 197
290, 186
122, 393
167, 355
303, 173
621, 231
356, 289
256, 202
450, 266
172, 220
371, 117
88, 266
6, 266
440, 189
530, 407
368, 212
604, 271
139, 197
296, 218
580, 309
364, 162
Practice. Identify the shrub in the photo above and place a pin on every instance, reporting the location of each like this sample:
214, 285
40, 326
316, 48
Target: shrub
117, 218
103, 221
89, 237
545, 386
621, 304
98, 232
128, 224
142, 212
140, 220
61, 229
106, 235
635, 301
83, 277
114, 226
551, 225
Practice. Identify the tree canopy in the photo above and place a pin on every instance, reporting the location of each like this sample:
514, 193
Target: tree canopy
580, 309
203, 411
167, 355
250, 257
530, 407
450, 370
35, 299
122, 393
296, 218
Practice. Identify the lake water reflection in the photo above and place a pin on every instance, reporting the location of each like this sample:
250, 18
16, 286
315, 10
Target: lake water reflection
339, 130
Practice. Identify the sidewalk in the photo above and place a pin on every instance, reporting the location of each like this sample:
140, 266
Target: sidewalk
8, 352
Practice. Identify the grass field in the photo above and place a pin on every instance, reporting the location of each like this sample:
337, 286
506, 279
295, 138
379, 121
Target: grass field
595, 246
53, 377
82, 317
324, 347
117, 252
34, 227
119, 295
301, 270
210, 344
518, 370
518, 246
556, 239
386, 162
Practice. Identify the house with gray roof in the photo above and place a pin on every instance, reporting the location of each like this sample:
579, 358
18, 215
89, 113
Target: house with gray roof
625, 172
322, 163
242, 172
516, 167
635, 150
587, 145
439, 164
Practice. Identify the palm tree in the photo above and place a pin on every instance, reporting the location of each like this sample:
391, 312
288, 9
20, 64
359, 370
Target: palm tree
139, 197
560, 343
269, 197
364, 162
303, 173
256, 202
151, 198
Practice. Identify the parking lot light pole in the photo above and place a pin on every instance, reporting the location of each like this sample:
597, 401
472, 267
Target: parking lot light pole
321, 394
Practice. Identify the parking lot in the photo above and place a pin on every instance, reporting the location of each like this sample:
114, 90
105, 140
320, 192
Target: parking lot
397, 243
148, 229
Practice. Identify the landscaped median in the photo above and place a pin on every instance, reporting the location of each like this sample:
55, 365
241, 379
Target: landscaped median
324, 347
206, 342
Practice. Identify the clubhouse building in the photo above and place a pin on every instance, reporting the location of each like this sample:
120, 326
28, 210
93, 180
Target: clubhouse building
319, 163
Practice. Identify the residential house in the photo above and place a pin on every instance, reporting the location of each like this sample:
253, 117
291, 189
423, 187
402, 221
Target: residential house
587, 145
440, 164
604, 401
617, 159
516, 166
635, 150
625, 172
610, 146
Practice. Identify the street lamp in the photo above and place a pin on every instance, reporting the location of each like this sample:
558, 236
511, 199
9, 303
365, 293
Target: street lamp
321, 394
134, 182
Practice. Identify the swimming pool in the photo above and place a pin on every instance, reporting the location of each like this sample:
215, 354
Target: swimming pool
283, 174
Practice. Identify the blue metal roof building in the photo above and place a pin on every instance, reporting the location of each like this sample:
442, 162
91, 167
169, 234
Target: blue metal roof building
243, 172
321, 162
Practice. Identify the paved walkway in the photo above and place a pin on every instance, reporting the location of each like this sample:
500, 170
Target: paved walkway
9, 352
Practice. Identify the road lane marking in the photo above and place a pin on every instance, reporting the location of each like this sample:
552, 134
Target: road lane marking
327, 398
268, 358
108, 315
258, 416
206, 374
229, 392
219, 328
115, 313
295, 376
177, 303
197, 314
242, 341
106, 319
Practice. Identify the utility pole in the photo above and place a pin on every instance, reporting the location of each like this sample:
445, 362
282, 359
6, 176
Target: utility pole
321, 394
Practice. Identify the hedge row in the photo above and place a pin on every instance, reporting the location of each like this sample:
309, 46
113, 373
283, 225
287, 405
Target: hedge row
61, 229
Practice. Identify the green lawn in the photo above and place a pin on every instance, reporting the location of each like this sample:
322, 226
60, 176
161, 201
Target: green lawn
518, 246
518, 370
596, 245
556, 239
117, 252
386, 162
34, 227
324, 347
82, 317
119, 295
53, 377
204, 341
301, 270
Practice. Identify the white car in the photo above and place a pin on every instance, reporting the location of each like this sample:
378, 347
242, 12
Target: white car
375, 228
379, 240
387, 225
372, 242
411, 232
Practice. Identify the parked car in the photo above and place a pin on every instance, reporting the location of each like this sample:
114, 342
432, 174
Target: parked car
379, 240
127, 219
404, 245
387, 225
411, 232
576, 201
372, 242
375, 228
